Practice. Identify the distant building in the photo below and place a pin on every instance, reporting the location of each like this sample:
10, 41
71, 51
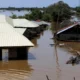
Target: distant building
32, 29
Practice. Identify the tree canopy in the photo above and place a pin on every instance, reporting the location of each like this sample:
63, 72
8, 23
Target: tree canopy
35, 15
77, 9
59, 9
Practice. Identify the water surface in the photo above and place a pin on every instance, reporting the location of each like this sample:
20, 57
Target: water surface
44, 59
17, 13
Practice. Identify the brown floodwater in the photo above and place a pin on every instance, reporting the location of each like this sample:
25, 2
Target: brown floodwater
45, 58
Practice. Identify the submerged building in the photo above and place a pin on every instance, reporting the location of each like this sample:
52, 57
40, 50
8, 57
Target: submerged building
42, 24
69, 33
30, 28
13, 45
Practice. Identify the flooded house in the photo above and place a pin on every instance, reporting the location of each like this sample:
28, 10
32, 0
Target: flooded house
69, 33
32, 29
42, 24
13, 45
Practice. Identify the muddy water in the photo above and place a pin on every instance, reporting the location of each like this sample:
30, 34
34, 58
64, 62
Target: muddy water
52, 60
44, 59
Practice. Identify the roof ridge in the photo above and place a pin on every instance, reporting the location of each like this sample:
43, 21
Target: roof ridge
67, 27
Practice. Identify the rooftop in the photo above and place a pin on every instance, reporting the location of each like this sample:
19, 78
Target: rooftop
4, 19
20, 30
24, 23
66, 28
9, 37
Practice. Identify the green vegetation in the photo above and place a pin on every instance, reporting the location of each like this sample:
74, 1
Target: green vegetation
58, 14
46, 17
22, 8
35, 15
77, 9
13, 16
59, 11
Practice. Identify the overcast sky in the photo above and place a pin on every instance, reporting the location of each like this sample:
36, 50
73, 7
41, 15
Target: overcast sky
35, 3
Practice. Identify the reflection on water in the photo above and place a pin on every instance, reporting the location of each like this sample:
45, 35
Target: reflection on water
51, 60
15, 70
74, 49
58, 70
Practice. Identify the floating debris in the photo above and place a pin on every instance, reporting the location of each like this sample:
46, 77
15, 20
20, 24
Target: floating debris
74, 60
61, 44
52, 44
52, 38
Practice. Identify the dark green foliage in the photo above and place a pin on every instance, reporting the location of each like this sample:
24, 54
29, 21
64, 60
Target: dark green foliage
35, 15
60, 9
65, 23
77, 9
21, 8
28, 16
21, 17
46, 17
13, 16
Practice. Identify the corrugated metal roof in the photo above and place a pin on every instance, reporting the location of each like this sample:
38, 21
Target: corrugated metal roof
4, 19
10, 38
66, 28
20, 30
24, 23
45, 23
41, 22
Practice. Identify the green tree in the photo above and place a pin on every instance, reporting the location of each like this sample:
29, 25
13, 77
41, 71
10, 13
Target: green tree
28, 16
21, 17
46, 17
60, 11
35, 15
13, 16
77, 9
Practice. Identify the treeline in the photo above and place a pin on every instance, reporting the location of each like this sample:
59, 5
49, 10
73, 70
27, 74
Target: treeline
36, 14
59, 11
22, 8
77, 9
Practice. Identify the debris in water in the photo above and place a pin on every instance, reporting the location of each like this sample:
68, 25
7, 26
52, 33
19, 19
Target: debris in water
74, 60
52, 44
62, 44
52, 38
